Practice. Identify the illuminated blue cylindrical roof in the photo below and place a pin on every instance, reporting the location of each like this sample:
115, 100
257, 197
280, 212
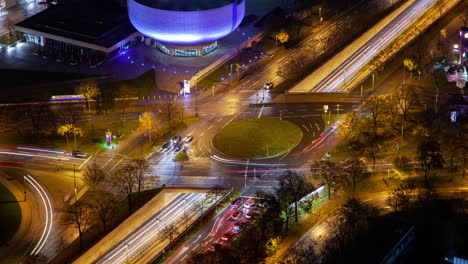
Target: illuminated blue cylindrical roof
186, 22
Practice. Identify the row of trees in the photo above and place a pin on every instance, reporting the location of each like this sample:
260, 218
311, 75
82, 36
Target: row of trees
127, 180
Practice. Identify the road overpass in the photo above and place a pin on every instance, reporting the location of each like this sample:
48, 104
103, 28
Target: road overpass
335, 75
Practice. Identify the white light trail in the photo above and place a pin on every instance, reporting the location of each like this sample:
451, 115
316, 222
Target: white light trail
48, 214
348, 71
140, 240
32, 155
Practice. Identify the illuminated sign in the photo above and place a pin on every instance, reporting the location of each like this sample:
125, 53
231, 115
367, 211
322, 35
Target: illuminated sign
453, 116
186, 87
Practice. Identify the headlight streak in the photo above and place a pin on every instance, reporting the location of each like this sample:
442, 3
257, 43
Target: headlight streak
146, 232
361, 58
348, 70
176, 217
238, 162
48, 213
32, 155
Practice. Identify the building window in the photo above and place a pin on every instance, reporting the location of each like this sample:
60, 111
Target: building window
164, 49
210, 48
186, 53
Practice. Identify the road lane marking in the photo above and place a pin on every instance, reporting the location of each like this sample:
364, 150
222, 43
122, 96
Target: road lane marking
86, 161
107, 162
261, 111
116, 165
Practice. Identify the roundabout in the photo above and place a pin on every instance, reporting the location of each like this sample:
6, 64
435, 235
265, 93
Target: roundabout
257, 138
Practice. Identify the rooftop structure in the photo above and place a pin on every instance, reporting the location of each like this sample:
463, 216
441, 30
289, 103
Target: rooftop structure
86, 26
184, 27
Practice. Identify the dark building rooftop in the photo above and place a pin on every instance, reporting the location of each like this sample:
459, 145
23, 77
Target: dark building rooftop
100, 22
185, 5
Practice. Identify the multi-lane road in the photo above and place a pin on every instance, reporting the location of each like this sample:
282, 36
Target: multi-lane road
334, 75
143, 243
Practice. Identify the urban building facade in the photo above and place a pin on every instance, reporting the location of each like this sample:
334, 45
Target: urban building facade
186, 27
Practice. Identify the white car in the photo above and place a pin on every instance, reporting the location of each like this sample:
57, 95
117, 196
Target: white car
268, 86
248, 204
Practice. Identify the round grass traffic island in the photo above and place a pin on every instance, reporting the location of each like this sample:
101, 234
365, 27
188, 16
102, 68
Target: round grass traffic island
257, 138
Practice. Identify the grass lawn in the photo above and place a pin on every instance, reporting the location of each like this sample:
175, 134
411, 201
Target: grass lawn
93, 139
257, 138
11, 215
148, 148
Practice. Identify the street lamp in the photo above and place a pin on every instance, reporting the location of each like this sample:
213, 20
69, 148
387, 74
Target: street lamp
185, 202
24, 185
74, 180
157, 223
74, 135
325, 109
127, 247
373, 82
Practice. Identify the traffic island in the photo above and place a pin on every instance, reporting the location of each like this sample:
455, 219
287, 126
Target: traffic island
257, 138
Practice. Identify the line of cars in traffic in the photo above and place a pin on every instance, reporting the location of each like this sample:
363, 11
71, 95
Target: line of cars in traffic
175, 144
244, 213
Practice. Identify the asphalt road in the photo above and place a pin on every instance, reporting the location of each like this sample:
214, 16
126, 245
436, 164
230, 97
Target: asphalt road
131, 247
346, 65
213, 231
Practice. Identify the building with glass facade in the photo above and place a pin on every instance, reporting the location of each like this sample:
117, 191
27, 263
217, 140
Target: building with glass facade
86, 30
186, 27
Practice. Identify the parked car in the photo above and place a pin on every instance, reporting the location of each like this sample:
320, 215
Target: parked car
248, 204
227, 236
236, 203
215, 246
235, 216
236, 227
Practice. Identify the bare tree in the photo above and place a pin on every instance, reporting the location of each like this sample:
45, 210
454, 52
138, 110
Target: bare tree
429, 157
93, 175
103, 208
402, 197
168, 111
328, 172
375, 105
170, 231
140, 166
354, 171
201, 205
292, 187
81, 219
404, 98
90, 90
217, 191
125, 180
